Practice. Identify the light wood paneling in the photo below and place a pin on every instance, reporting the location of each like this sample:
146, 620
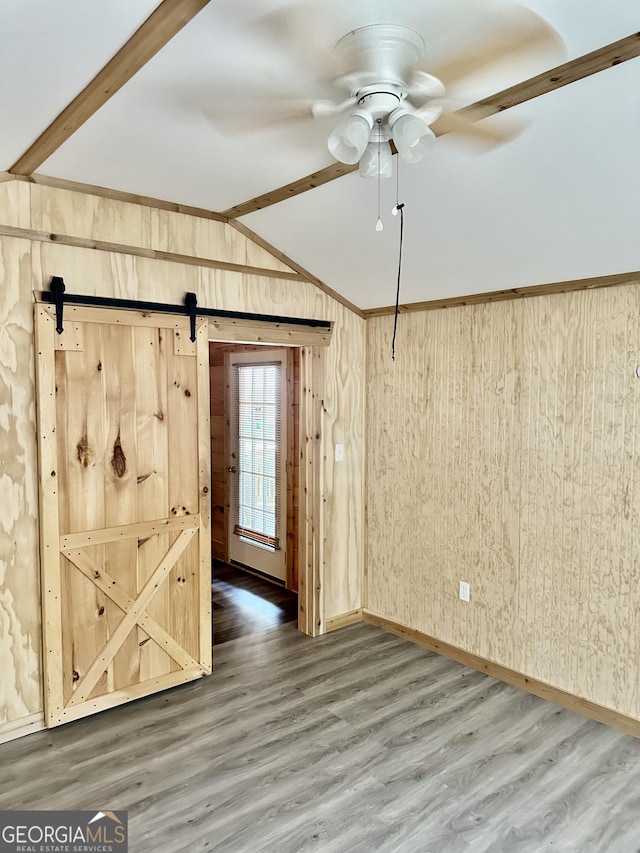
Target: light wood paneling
191, 235
263, 332
82, 215
29, 266
117, 195
293, 467
503, 451
580, 546
311, 618
512, 293
256, 240
136, 251
20, 694
443, 441
89, 216
14, 204
217, 394
342, 380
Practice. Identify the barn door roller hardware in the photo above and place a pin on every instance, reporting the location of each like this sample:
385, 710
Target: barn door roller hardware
57, 292
59, 297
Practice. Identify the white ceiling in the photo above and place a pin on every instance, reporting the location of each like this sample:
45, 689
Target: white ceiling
48, 53
562, 201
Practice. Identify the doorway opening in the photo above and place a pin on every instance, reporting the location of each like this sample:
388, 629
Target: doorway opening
245, 603
255, 460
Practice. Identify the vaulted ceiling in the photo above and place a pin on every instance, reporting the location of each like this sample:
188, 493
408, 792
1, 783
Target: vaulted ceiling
560, 202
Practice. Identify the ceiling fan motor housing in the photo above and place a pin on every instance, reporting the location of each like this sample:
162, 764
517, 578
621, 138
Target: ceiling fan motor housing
379, 103
380, 56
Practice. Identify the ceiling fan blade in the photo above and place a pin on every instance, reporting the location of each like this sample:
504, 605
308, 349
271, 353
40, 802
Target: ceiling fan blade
301, 31
463, 124
496, 32
330, 109
461, 36
429, 112
424, 87
235, 115
247, 116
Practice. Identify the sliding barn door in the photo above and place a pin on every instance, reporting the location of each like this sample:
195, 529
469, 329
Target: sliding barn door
123, 403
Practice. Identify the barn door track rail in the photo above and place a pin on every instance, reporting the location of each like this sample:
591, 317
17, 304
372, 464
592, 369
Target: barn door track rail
58, 296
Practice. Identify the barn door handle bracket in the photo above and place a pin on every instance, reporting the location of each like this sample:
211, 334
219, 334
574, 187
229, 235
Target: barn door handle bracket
191, 301
57, 290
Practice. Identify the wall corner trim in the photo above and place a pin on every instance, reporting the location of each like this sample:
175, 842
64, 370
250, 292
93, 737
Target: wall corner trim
608, 716
24, 726
351, 617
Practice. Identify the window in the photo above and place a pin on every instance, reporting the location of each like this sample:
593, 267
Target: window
258, 453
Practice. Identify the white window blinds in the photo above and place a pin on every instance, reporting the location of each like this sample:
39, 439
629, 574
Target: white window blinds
258, 453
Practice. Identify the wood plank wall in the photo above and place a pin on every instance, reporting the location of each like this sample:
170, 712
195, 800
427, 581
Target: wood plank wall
504, 450
27, 266
293, 467
217, 394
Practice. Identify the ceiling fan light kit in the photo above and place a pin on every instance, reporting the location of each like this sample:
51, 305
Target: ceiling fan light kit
412, 135
351, 136
386, 56
377, 160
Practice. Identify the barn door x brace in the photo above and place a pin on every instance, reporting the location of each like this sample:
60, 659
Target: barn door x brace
58, 296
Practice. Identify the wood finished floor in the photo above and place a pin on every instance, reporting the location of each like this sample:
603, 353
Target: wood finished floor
356, 741
244, 603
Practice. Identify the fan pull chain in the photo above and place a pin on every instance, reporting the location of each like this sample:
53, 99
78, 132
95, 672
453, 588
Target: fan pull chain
379, 225
398, 208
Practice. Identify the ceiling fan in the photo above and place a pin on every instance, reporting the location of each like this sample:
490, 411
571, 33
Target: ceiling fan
390, 85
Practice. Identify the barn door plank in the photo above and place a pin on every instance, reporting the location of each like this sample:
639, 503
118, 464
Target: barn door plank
126, 623
49, 514
153, 480
104, 581
204, 489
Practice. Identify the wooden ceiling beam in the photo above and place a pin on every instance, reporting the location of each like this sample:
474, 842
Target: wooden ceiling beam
118, 195
570, 72
534, 87
159, 28
513, 293
335, 170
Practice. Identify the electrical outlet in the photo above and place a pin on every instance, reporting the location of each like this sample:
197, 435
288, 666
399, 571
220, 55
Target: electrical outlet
465, 591
339, 456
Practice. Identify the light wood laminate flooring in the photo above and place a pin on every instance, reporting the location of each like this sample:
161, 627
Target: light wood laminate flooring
356, 741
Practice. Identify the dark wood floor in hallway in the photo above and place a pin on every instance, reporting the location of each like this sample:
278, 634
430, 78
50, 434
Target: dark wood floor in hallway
244, 603
355, 741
